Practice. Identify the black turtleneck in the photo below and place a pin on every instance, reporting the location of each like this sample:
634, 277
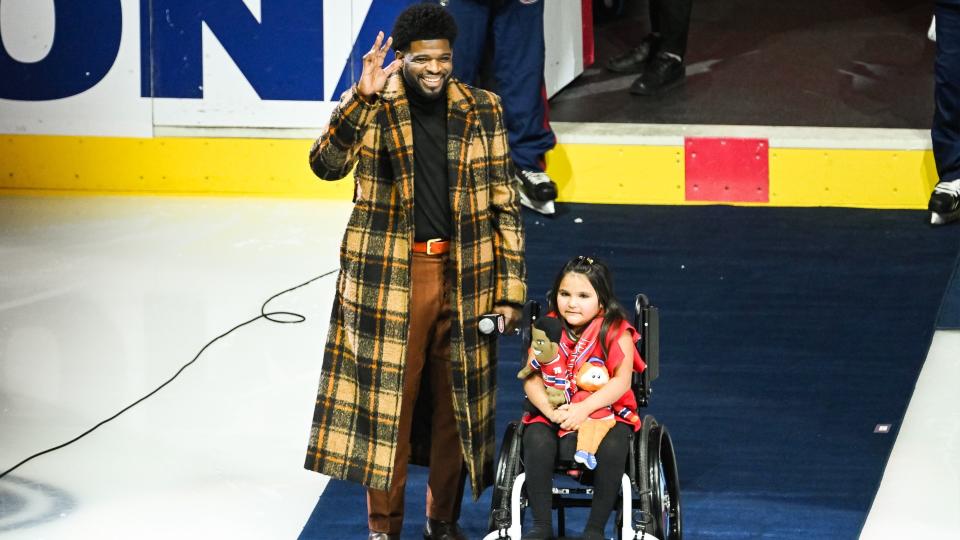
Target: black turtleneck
431, 189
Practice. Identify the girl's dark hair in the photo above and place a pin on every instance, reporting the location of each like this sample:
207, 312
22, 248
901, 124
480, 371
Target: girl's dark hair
599, 277
423, 21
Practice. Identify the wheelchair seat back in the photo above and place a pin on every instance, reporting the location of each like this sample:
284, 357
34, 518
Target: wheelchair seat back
646, 319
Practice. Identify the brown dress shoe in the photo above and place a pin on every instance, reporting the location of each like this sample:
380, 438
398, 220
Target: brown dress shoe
383, 536
434, 529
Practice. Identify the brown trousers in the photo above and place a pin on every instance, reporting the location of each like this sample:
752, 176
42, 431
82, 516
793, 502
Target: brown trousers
428, 354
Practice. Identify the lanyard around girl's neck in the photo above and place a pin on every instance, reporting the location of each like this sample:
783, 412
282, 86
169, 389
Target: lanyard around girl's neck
583, 346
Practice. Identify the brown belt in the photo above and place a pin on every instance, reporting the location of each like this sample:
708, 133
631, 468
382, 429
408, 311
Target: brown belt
434, 246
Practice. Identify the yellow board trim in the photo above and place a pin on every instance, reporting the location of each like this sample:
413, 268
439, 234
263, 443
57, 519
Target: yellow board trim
163, 165
637, 174
585, 173
851, 178
612, 174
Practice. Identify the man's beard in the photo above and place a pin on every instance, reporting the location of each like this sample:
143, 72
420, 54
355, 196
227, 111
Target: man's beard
414, 84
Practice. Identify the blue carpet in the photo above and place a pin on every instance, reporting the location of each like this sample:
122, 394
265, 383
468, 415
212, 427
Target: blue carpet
950, 309
786, 335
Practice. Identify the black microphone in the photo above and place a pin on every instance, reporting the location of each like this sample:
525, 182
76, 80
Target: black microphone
491, 323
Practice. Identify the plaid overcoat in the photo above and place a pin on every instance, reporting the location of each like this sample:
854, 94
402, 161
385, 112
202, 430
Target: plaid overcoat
357, 410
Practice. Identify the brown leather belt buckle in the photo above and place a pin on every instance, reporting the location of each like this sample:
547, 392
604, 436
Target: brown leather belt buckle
441, 246
434, 246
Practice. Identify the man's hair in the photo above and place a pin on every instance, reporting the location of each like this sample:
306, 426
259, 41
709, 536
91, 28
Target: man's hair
423, 21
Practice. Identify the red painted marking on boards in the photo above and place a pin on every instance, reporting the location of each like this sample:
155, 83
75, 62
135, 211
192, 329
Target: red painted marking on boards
727, 170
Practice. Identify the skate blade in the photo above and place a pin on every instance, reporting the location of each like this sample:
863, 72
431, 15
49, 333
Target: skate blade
544, 207
943, 219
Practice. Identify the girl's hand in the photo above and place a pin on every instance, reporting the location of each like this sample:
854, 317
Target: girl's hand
556, 416
374, 76
576, 415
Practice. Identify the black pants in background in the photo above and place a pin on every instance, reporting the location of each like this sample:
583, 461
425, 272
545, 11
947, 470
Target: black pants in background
671, 20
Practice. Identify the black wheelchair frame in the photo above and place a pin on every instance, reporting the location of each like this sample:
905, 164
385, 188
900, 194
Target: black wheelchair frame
648, 507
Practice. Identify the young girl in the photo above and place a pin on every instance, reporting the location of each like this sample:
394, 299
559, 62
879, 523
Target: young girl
595, 326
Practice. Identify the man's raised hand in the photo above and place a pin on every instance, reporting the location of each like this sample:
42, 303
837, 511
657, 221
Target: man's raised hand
374, 76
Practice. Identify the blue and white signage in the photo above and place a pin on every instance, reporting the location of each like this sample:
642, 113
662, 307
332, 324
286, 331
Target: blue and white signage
124, 67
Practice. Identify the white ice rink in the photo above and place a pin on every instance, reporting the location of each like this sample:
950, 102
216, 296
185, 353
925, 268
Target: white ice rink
919, 494
104, 298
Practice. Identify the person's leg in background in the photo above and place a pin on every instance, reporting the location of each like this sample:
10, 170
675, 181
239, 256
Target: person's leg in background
670, 20
635, 59
473, 25
518, 58
666, 69
944, 202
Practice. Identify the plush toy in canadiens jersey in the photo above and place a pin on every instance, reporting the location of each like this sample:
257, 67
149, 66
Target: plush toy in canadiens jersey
544, 356
591, 376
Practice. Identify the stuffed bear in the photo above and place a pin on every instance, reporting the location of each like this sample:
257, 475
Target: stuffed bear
591, 376
544, 356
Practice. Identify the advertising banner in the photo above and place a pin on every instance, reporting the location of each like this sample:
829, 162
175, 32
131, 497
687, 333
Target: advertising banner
129, 68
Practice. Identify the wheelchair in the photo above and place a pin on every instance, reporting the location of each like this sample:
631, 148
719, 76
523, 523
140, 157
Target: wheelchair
648, 506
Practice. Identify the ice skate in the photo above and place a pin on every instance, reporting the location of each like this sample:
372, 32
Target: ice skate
944, 203
546, 208
537, 191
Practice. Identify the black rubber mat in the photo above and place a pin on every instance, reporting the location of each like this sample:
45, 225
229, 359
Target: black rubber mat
855, 63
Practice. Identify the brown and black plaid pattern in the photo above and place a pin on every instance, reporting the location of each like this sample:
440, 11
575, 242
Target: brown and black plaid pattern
358, 401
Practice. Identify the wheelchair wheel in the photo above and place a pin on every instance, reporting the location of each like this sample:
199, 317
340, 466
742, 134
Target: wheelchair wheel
508, 467
659, 481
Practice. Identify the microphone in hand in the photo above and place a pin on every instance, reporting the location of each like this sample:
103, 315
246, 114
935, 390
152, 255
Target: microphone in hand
491, 323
